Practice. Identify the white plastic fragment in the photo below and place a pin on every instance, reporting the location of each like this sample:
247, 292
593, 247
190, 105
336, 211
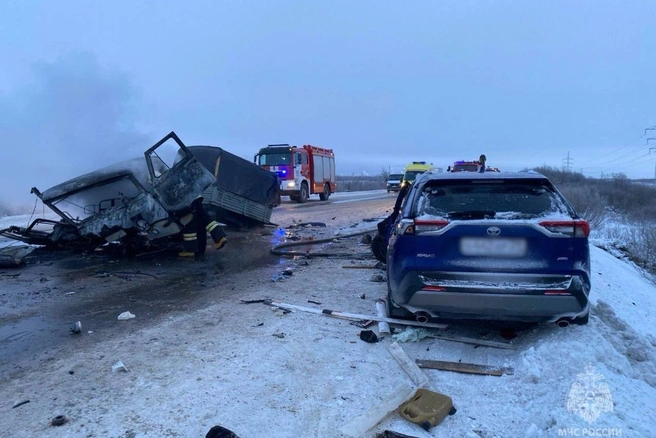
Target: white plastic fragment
119, 366
125, 316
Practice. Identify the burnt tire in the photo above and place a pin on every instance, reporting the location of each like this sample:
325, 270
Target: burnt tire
379, 248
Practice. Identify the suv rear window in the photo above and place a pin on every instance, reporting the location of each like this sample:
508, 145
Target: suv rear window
497, 199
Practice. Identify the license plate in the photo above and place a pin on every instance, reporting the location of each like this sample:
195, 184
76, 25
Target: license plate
497, 246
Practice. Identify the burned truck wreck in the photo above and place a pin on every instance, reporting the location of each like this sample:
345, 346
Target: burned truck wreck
143, 204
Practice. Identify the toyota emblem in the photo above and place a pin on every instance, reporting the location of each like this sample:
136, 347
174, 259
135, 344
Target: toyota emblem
493, 231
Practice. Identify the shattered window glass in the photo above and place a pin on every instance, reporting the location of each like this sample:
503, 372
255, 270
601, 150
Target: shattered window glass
477, 201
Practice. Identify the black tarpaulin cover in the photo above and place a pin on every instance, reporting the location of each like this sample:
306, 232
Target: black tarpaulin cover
237, 175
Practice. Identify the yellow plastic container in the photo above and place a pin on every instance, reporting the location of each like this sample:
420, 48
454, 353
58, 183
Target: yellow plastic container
427, 408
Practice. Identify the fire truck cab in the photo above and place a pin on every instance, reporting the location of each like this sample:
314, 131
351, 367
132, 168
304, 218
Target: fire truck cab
303, 171
470, 166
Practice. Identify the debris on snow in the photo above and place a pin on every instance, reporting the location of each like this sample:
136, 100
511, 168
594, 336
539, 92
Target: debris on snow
363, 323
369, 336
381, 311
126, 315
119, 366
76, 328
392, 434
59, 420
220, 432
427, 408
463, 367
20, 403
411, 335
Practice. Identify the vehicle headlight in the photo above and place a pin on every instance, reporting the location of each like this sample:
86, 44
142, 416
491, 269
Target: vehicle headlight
291, 184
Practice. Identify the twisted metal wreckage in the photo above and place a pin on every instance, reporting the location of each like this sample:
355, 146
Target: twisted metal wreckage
143, 204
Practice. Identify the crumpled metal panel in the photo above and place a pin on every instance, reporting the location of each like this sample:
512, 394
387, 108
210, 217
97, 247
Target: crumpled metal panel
182, 184
135, 167
14, 255
125, 216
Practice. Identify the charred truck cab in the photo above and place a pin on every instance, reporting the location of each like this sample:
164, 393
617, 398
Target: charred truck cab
303, 171
134, 203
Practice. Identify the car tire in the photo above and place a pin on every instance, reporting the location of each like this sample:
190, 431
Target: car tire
379, 248
303, 195
582, 320
326, 193
392, 310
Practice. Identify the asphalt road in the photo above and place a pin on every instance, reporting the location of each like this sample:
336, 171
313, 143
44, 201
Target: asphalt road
40, 300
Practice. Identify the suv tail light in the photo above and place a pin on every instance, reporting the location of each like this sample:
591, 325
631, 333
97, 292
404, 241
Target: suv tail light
427, 225
578, 228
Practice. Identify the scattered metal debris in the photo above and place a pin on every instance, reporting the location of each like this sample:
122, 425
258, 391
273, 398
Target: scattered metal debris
12, 256
278, 335
20, 403
392, 434
76, 328
363, 323
307, 224
353, 316
369, 336
119, 366
377, 278
59, 420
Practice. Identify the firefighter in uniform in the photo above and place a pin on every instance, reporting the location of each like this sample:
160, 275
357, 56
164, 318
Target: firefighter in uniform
194, 233
481, 160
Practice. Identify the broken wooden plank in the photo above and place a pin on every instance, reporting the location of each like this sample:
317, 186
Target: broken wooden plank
354, 316
417, 375
474, 341
361, 424
463, 367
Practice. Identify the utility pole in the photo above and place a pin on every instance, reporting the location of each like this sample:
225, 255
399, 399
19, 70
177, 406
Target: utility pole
567, 162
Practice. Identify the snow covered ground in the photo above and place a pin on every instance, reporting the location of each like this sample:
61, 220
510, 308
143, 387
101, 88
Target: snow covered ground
264, 373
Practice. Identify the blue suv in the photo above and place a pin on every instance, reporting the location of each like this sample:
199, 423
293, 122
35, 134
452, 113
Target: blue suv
486, 246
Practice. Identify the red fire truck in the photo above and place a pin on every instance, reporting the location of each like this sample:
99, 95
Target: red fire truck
303, 171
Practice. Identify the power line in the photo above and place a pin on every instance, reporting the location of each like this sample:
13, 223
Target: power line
567, 162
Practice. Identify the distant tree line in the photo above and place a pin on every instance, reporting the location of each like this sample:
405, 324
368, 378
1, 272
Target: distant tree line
359, 183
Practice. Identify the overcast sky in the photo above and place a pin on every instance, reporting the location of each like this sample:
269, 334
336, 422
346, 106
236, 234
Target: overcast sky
85, 83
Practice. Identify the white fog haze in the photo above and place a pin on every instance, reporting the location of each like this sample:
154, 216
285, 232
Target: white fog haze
381, 83
73, 116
